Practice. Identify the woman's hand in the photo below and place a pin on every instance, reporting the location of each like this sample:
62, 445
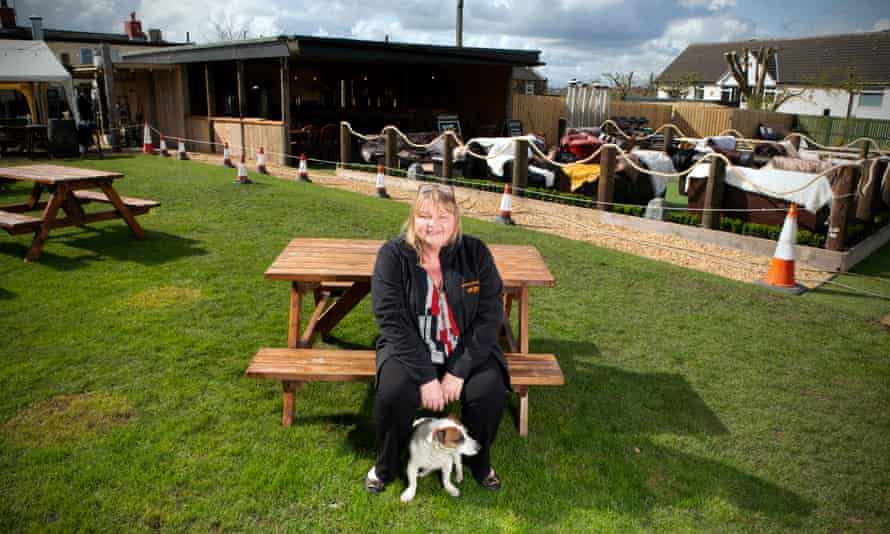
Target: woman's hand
431, 396
451, 387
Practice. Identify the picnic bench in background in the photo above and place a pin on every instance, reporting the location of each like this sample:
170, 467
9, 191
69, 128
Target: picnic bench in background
338, 274
68, 188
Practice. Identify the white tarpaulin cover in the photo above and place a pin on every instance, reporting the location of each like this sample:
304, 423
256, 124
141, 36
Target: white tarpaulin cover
769, 181
658, 162
33, 61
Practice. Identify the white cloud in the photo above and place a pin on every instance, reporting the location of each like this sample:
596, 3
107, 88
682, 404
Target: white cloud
881, 24
710, 5
680, 34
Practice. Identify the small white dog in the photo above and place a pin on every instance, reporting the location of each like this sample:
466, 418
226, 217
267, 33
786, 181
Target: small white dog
438, 444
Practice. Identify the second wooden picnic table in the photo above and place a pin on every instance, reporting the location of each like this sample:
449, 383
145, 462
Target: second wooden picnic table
332, 267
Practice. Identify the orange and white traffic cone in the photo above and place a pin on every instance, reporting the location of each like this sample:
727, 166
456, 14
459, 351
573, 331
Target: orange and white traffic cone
504, 213
381, 187
261, 162
304, 169
242, 172
163, 149
227, 156
180, 151
147, 147
781, 270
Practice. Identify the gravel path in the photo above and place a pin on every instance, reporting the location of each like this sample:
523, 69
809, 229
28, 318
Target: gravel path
581, 224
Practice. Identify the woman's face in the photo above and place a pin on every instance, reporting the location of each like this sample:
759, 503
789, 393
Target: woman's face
434, 226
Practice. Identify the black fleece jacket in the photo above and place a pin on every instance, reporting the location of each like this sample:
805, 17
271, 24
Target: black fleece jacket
474, 291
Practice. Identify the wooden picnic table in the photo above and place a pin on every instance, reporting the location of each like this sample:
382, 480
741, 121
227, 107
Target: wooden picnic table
331, 267
67, 187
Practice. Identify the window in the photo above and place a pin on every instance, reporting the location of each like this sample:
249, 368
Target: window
699, 92
729, 95
871, 99
530, 88
86, 56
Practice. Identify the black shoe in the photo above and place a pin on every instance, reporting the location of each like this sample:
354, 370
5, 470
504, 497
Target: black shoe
491, 482
373, 484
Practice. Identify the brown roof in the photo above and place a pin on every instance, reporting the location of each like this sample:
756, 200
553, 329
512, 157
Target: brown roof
800, 61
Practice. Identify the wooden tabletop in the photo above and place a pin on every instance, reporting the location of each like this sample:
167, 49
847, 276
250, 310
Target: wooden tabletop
53, 174
352, 260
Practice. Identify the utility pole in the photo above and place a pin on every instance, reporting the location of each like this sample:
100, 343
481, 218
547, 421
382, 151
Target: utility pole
460, 23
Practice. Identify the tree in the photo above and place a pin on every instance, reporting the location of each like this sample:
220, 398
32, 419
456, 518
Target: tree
740, 69
621, 83
229, 30
679, 88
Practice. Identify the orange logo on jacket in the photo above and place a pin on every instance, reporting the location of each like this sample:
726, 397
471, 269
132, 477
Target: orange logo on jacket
471, 287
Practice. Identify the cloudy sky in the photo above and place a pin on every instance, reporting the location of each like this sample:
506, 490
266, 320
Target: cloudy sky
578, 38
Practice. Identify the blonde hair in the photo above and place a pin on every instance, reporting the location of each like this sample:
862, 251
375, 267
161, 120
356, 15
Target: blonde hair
435, 197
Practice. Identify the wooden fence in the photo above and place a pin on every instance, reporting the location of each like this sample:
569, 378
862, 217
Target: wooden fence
540, 114
839, 131
701, 119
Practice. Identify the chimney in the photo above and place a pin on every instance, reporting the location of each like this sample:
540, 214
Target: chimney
133, 28
154, 35
7, 15
36, 28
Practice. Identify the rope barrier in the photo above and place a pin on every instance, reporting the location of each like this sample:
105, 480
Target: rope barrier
689, 252
621, 154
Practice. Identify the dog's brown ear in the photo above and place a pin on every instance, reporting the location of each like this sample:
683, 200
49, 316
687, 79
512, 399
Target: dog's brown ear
439, 435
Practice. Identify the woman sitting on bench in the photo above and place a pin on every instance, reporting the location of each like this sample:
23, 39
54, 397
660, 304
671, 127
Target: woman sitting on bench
437, 298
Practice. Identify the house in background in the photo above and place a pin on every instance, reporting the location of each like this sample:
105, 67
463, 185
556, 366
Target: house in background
528, 82
76, 48
80, 53
814, 65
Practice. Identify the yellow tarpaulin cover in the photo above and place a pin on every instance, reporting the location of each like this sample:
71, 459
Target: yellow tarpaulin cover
583, 172
25, 89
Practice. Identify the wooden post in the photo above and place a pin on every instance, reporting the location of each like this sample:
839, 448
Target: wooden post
448, 157
605, 191
520, 166
242, 99
345, 145
390, 154
840, 208
668, 139
884, 170
208, 86
714, 194
863, 150
795, 142
285, 110
112, 117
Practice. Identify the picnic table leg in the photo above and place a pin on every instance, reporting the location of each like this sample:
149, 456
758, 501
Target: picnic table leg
122, 209
293, 325
71, 206
49, 217
523, 320
507, 326
290, 390
321, 303
34, 197
522, 392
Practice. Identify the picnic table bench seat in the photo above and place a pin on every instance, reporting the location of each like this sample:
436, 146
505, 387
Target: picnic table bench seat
16, 223
86, 196
293, 367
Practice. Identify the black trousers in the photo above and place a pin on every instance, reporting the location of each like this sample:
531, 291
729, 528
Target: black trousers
398, 398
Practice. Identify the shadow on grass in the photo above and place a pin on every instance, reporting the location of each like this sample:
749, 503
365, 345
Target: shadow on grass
5, 294
108, 243
620, 401
603, 455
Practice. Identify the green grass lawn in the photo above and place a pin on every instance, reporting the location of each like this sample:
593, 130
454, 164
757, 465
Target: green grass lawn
692, 403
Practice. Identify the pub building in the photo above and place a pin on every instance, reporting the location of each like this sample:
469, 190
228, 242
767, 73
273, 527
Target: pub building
289, 93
